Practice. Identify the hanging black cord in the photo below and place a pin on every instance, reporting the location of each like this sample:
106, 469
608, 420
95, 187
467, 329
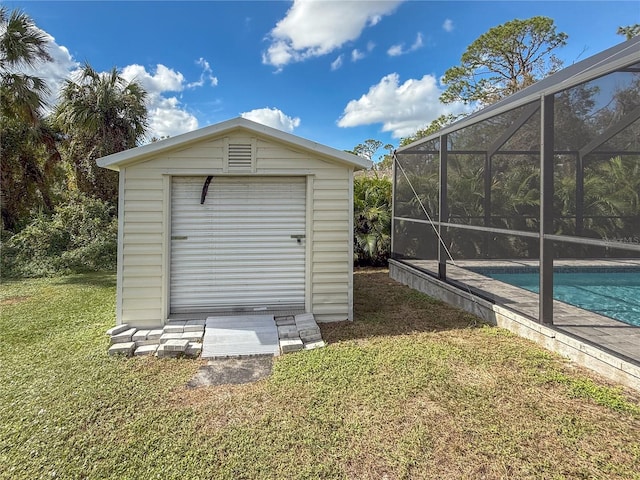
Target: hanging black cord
205, 189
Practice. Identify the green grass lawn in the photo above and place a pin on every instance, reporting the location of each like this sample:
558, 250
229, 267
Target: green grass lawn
411, 389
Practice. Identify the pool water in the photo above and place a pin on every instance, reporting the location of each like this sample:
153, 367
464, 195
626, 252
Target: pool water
613, 294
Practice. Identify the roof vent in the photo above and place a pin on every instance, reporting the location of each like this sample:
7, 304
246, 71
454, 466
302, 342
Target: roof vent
240, 157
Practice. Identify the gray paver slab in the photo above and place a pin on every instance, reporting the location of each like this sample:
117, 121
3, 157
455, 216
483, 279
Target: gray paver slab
155, 334
306, 323
308, 331
176, 345
170, 336
193, 349
311, 338
162, 352
291, 345
123, 337
145, 350
173, 328
286, 320
630, 352
194, 326
140, 335
301, 317
314, 345
287, 331
193, 336
122, 348
118, 329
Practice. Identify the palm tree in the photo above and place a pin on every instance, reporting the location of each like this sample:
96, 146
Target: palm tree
372, 222
22, 44
28, 144
101, 114
612, 197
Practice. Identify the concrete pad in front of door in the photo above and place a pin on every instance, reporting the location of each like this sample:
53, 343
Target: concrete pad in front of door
240, 336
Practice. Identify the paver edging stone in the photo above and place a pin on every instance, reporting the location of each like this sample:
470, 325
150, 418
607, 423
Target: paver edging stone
184, 338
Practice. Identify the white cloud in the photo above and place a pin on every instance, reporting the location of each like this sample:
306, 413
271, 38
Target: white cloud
401, 109
316, 28
163, 80
418, 43
272, 117
54, 73
337, 63
447, 26
396, 50
167, 116
280, 54
207, 74
357, 55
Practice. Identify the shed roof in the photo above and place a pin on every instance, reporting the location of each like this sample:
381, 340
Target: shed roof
121, 159
625, 54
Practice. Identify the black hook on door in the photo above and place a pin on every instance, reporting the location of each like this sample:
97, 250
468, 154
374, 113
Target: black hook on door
205, 189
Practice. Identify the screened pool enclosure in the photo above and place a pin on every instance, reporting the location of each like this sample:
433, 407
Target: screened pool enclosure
545, 181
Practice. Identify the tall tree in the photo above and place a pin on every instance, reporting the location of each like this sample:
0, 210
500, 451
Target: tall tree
505, 59
629, 31
367, 149
101, 114
437, 124
385, 165
28, 144
22, 44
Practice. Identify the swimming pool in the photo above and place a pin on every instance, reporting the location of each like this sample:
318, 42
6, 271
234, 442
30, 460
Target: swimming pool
610, 292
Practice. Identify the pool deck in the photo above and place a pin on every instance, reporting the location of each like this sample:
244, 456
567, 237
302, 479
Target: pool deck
612, 336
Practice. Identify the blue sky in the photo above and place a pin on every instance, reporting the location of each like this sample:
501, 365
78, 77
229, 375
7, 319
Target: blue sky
336, 72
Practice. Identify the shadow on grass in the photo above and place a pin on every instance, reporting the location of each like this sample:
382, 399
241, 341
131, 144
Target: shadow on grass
384, 307
94, 279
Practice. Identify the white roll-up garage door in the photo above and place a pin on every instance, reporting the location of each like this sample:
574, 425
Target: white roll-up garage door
243, 249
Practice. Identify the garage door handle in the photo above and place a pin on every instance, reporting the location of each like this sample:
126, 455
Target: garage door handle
177, 237
298, 237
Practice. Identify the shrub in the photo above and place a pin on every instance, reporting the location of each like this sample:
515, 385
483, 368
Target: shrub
80, 236
372, 220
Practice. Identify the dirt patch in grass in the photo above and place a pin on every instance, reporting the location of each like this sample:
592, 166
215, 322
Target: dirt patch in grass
232, 371
13, 300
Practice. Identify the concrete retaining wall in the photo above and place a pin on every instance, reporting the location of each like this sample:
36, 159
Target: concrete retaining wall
587, 355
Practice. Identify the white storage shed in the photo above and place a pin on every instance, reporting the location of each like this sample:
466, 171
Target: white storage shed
236, 217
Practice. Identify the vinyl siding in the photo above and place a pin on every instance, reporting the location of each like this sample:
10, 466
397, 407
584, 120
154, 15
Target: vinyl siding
331, 241
330, 267
145, 224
